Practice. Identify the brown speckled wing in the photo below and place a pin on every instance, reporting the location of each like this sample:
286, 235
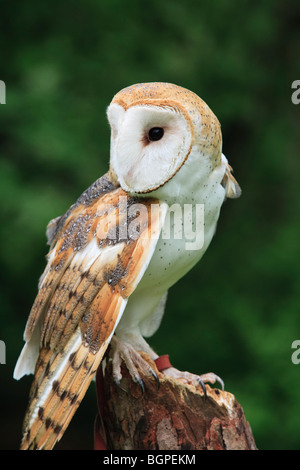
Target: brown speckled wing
94, 264
230, 184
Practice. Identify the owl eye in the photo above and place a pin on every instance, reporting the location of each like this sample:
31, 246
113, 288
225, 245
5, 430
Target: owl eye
156, 133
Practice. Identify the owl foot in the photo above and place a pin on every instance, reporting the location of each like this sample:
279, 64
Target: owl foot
189, 378
121, 351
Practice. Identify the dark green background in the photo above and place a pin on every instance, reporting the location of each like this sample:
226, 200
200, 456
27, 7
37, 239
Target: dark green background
237, 312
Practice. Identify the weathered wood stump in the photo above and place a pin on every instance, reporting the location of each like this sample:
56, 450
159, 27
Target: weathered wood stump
173, 416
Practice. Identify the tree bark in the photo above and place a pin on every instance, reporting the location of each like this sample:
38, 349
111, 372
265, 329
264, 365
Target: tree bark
173, 416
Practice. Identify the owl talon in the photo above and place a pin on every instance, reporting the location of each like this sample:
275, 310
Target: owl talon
202, 384
121, 351
118, 384
212, 378
140, 383
156, 379
136, 379
193, 379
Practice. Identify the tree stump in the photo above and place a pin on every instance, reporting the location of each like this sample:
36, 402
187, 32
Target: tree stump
173, 416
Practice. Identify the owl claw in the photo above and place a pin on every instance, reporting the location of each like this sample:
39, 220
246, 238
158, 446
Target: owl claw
156, 379
193, 379
118, 384
121, 351
202, 384
212, 378
141, 384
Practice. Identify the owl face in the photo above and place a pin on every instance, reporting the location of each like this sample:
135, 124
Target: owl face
154, 127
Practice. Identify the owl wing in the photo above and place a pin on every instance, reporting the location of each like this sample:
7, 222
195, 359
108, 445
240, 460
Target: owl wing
230, 184
99, 251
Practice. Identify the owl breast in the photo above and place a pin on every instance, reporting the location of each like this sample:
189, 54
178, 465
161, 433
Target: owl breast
188, 229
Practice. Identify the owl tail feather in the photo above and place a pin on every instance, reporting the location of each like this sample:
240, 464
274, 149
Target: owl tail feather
57, 392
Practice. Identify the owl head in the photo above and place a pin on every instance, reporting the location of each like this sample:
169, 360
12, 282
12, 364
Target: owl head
154, 129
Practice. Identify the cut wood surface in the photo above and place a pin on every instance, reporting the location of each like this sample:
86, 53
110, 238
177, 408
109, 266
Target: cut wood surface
171, 416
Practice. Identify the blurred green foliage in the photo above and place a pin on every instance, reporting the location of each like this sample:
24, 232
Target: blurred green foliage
237, 312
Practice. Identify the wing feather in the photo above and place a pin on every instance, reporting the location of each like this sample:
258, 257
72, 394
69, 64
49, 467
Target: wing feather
232, 188
92, 270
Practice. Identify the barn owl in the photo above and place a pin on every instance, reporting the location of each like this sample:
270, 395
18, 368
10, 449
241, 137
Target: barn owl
109, 267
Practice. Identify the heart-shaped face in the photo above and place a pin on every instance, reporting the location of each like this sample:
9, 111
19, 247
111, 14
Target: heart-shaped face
154, 127
148, 146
